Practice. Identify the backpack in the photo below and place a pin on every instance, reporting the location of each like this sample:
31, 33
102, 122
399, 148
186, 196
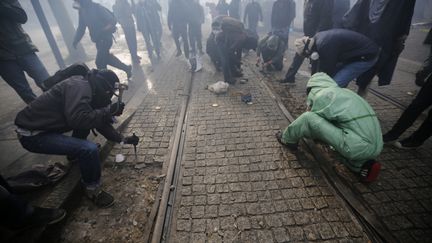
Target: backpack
73, 70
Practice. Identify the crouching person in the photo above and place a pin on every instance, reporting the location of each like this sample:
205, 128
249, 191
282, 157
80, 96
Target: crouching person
342, 119
272, 50
76, 104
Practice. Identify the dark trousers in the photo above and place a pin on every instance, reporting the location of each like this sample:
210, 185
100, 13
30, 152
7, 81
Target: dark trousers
426, 70
130, 35
295, 66
12, 71
195, 37
105, 58
85, 152
180, 30
13, 209
422, 101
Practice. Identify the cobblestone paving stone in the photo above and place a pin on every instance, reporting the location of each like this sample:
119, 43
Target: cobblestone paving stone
402, 196
135, 181
238, 185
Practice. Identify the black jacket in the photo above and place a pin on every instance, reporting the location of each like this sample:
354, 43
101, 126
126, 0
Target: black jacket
97, 18
428, 39
253, 13
341, 46
14, 41
394, 23
283, 13
340, 8
317, 16
66, 107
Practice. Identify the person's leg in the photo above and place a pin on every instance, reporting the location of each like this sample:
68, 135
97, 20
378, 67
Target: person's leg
420, 103
192, 31
147, 40
293, 69
199, 40
176, 37
312, 126
224, 58
14, 75
32, 65
156, 41
110, 59
84, 151
185, 40
426, 70
351, 71
102, 46
130, 35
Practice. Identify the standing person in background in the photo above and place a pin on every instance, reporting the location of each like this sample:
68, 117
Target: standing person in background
283, 13
196, 20
340, 7
148, 23
317, 16
222, 7
101, 24
178, 18
123, 11
234, 9
387, 23
252, 14
17, 52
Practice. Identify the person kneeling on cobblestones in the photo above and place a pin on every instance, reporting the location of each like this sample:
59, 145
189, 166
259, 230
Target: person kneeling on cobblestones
343, 120
76, 104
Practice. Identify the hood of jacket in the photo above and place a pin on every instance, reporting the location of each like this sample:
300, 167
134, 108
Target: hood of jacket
316, 83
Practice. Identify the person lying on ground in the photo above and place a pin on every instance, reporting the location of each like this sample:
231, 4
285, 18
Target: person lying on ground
76, 104
341, 119
272, 50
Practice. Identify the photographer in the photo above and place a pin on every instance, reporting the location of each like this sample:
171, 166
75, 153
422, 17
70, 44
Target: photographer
76, 104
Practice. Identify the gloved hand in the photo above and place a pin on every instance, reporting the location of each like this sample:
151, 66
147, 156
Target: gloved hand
117, 108
131, 140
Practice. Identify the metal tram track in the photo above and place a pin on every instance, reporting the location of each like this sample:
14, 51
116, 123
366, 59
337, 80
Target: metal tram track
163, 208
374, 228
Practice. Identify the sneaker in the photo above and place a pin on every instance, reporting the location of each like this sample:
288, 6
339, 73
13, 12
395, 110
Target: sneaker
41, 217
370, 171
389, 138
407, 143
100, 198
291, 146
136, 59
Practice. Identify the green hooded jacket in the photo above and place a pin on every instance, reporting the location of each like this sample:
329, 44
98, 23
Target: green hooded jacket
342, 118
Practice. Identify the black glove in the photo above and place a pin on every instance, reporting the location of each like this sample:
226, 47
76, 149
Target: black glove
131, 140
117, 108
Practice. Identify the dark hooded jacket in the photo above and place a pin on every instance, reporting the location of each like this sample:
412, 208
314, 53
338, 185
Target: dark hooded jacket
14, 41
392, 23
253, 13
317, 16
283, 13
96, 18
67, 106
340, 46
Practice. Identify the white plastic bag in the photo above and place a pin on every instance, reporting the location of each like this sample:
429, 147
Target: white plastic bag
219, 87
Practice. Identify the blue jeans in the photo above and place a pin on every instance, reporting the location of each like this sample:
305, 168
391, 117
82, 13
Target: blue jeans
12, 71
84, 151
351, 71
